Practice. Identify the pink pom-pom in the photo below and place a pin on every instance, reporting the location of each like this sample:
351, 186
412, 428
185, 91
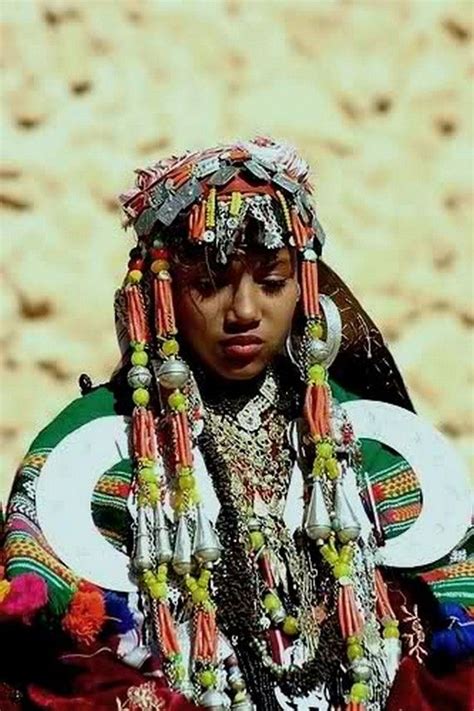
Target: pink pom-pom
28, 593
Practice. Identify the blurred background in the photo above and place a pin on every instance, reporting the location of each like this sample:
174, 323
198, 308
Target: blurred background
376, 95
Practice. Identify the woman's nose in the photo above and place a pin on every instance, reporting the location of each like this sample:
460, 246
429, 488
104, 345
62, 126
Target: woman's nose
244, 308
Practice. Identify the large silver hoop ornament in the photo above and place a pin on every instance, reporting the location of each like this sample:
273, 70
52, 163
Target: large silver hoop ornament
64, 500
442, 475
304, 351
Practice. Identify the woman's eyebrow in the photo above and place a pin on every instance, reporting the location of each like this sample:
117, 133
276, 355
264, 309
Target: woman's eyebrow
272, 263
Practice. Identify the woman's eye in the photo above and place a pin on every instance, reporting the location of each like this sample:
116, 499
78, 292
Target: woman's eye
273, 286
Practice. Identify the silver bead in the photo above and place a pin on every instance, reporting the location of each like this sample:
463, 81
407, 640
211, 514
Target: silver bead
173, 374
212, 700
139, 377
309, 255
361, 669
317, 351
236, 681
209, 236
277, 616
254, 524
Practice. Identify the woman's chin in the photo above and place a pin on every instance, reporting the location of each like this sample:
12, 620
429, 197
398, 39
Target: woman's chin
240, 370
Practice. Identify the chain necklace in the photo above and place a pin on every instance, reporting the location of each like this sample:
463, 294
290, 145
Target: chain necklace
250, 462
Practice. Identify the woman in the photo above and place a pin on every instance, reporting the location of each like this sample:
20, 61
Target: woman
245, 475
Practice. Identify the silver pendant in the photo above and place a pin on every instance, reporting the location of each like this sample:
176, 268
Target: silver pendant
249, 418
142, 554
207, 548
164, 552
317, 523
346, 524
182, 549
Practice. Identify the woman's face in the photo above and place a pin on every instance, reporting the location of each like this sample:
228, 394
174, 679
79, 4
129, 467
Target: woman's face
235, 318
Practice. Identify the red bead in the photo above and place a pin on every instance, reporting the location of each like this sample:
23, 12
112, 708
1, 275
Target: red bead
159, 253
136, 264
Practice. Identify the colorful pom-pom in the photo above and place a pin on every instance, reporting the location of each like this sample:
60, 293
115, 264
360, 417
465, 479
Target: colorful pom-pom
86, 614
27, 594
118, 612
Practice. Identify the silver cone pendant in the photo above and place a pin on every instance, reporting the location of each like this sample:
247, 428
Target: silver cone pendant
164, 552
212, 700
318, 523
182, 549
346, 524
242, 705
142, 555
207, 548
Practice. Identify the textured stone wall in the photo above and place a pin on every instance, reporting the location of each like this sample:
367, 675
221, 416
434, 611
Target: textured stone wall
375, 94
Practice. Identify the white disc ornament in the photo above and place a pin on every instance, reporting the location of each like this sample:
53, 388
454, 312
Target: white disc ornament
442, 477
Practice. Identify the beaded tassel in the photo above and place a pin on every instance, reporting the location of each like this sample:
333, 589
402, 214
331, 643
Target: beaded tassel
309, 288
145, 456
197, 221
350, 618
300, 231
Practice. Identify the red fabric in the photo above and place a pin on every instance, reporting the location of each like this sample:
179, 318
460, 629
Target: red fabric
50, 676
417, 689
97, 683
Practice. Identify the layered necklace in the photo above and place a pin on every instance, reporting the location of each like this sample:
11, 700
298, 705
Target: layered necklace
267, 585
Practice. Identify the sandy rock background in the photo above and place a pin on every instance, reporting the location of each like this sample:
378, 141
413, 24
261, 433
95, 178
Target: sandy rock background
376, 95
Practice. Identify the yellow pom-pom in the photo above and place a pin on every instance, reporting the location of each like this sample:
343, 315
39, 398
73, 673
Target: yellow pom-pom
317, 374
354, 651
332, 468
290, 626
324, 449
319, 466
177, 401
170, 347
257, 540
139, 358
207, 678
329, 554
359, 692
316, 330
159, 265
346, 554
134, 276
271, 602
141, 397
186, 482
341, 570
146, 475
199, 595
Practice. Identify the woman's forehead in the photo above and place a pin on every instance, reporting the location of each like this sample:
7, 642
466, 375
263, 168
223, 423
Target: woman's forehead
249, 257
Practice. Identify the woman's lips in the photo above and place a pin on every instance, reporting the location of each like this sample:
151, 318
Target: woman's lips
242, 347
